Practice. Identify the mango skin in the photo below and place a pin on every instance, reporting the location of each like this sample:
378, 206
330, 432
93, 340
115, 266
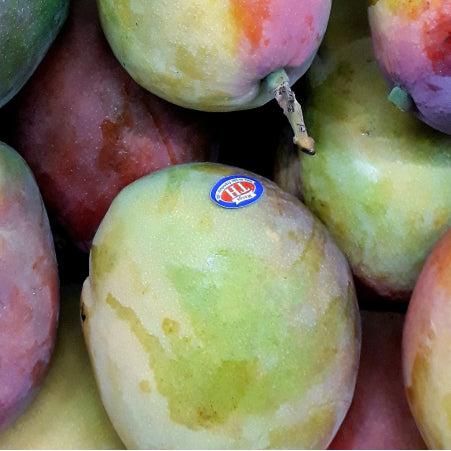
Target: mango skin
65, 415
381, 179
87, 129
412, 47
29, 287
426, 347
27, 30
379, 416
213, 56
216, 328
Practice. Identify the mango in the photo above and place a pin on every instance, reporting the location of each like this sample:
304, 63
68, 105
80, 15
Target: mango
413, 50
379, 416
65, 415
224, 55
29, 287
218, 313
27, 30
426, 339
87, 129
381, 179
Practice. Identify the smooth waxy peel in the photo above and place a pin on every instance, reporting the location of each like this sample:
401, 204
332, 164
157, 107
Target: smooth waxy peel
213, 55
219, 328
29, 287
381, 179
27, 29
426, 356
216, 56
412, 47
87, 130
65, 415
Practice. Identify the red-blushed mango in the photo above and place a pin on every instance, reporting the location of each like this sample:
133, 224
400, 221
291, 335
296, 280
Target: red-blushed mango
87, 129
214, 56
67, 413
223, 55
426, 347
411, 41
29, 288
216, 327
379, 416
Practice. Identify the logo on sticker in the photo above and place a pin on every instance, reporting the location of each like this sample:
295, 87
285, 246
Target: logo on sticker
236, 191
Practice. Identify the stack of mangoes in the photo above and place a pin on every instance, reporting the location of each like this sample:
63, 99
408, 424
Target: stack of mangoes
225, 224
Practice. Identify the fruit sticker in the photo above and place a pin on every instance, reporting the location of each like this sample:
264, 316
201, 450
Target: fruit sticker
236, 191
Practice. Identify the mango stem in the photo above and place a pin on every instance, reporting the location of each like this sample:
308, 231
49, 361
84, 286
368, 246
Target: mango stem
401, 99
279, 85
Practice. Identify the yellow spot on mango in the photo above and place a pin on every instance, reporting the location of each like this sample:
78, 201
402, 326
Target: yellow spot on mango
410, 9
144, 386
170, 326
447, 408
189, 61
419, 393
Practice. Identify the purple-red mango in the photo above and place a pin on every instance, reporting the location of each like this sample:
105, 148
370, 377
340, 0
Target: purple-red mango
87, 129
29, 288
412, 44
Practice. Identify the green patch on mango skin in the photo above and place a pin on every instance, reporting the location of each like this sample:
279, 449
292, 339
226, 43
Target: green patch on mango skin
105, 258
17, 183
27, 30
367, 153
248, 362
171, 194
13, 168
239, 327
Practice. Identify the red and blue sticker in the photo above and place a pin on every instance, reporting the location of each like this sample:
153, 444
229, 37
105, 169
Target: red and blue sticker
236, 191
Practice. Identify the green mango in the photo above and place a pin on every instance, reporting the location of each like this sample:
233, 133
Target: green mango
27, 29
380, 180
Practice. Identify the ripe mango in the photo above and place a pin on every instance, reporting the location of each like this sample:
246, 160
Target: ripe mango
216, 327
29, 288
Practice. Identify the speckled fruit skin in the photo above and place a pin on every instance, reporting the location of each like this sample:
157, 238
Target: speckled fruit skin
412, 46
27, 29
87, 129
211, 327
67, 413
213, 56
381, 179
29, 287
426, 347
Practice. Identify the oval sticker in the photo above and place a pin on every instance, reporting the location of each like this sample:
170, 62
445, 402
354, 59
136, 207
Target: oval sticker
236, 191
